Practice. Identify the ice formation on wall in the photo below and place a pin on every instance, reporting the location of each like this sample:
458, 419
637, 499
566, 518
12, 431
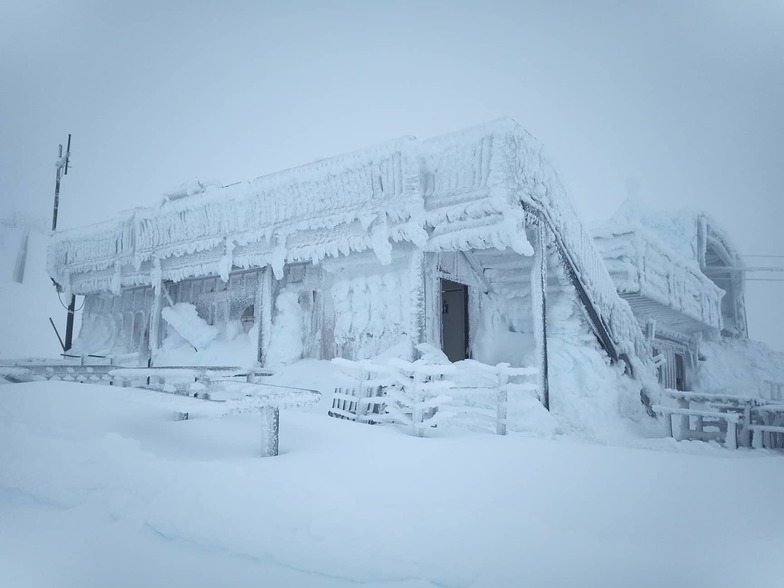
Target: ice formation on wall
286, 345
184, 319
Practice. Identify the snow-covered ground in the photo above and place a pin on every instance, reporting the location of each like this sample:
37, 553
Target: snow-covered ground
98, 490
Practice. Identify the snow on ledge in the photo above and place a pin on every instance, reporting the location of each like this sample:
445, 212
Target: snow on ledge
458, 190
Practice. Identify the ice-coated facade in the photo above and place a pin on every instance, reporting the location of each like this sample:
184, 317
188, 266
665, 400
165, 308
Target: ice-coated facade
466, 241
682, 278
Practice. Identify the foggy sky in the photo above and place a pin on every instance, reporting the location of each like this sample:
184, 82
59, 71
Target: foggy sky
685, 98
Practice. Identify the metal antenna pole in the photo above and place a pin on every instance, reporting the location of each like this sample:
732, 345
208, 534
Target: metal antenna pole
57, 187
62, 170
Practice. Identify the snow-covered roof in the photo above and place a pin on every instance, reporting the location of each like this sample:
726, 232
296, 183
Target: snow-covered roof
458, 191
661, 256
685, 232
641, 264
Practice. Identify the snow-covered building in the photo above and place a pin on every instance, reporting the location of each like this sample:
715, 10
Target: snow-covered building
466, 241
682, 278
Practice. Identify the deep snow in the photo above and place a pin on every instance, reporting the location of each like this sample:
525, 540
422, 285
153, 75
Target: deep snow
96, 491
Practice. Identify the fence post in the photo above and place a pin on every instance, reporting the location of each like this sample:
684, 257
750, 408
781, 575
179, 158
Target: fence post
503, 398
270, 424
417, 412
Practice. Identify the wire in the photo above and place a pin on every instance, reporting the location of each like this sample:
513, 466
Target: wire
766, 256
66, 308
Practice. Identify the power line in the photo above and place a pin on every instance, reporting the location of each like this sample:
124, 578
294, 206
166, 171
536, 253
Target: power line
766, 256
765, 279
739, 268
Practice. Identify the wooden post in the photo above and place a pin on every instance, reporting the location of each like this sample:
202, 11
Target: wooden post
503, 399
668, 423
731, 440
746, 440
270, 425
417, 412
539, 308
264, 304
685, 428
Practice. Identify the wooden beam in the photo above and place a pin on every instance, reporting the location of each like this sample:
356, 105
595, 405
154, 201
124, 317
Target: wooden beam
476, 267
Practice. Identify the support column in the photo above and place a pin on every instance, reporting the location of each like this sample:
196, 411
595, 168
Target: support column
155, 312
539, 308
417, 297
263, 311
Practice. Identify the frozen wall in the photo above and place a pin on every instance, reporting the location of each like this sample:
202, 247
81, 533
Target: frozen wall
115, 325
367, 308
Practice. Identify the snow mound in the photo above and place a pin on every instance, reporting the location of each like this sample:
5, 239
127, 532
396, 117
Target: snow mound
184, 319
738, 366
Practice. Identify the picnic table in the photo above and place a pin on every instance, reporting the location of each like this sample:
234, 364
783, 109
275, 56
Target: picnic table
735, 417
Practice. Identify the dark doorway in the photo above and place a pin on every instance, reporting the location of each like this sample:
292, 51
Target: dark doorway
454, 320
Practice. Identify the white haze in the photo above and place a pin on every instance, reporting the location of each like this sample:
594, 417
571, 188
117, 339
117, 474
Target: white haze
683, 99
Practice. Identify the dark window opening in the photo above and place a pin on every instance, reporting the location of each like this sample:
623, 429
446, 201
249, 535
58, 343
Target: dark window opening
680, 372
247, 318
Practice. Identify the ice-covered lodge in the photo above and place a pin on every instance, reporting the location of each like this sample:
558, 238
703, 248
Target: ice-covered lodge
466, 241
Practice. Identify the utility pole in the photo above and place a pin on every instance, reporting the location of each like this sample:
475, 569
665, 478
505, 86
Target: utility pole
62, 170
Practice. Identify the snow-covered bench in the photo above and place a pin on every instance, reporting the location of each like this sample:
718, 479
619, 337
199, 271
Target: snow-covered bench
732, 420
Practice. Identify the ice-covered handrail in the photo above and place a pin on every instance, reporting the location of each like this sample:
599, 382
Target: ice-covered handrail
530, 178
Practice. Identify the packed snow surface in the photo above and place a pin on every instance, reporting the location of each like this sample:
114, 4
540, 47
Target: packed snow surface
97, 490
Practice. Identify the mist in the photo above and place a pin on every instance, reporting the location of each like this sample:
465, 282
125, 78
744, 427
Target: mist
681, 100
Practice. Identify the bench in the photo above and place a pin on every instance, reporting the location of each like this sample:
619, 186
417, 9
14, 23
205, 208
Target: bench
732, 420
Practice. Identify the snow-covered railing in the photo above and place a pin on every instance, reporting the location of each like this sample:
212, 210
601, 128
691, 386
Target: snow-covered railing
187, 380
376, 189
772, 390
487, 407
364, 402
584, 260
403, 392
420, 395
417, 394
640, 264
187, 391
